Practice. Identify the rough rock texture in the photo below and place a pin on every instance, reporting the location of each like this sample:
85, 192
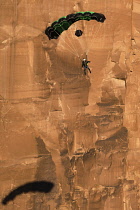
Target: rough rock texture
79, 132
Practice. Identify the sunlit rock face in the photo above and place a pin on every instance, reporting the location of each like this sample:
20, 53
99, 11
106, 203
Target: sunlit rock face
79, 132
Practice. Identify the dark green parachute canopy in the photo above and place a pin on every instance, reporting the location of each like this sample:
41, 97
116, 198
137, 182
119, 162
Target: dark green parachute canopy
62, 24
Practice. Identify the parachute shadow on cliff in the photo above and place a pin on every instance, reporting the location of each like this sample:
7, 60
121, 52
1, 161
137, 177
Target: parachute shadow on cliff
37, 186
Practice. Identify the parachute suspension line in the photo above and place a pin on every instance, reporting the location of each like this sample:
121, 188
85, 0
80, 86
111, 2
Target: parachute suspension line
70, 51
72, 44
70, 48
74, 47
86, 56
86, 42
68, 45
78, 39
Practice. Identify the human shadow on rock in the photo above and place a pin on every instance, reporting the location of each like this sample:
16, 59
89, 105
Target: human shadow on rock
37, 186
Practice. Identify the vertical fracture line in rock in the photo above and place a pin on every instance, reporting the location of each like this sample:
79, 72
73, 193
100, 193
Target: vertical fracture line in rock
62, 99
4, 90
31, 60
12, 52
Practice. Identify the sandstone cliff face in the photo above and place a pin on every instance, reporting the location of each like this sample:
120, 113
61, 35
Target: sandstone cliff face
79, 132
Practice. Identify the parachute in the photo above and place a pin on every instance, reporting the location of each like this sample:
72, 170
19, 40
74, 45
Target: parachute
62, 24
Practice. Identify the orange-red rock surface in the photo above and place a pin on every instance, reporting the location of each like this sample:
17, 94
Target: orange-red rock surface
79, 132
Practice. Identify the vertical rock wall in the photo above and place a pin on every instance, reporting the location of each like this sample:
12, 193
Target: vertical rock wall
58, 125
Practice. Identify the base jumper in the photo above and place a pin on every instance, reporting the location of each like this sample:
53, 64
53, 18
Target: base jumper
85, 65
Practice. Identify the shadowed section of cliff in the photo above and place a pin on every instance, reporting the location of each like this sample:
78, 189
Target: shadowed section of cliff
118, 140
37, 186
